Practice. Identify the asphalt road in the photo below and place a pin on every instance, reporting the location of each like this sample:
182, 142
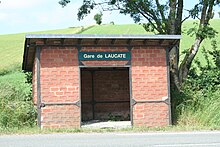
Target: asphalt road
181, 139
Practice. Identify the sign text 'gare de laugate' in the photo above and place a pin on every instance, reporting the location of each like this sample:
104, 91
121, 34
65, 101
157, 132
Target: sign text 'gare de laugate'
79, 78
104, 56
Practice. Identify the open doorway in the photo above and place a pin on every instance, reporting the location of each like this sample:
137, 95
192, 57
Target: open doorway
105, 94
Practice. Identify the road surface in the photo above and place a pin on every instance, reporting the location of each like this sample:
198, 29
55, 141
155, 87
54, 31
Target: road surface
180, 139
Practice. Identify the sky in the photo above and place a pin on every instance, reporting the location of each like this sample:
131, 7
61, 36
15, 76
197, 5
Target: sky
38, 15
17, 16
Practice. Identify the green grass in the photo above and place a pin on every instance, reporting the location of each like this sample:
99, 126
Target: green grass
187, 40
72, 30
36, 130
11, 49
116, 29
12, 45
16, 106
15, 76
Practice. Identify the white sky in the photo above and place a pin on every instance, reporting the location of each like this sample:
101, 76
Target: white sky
37, 15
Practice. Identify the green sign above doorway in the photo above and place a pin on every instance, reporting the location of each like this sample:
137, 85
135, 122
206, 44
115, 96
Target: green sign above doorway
88, 56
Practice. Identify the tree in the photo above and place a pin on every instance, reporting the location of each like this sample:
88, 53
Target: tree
203, 11
162, 18
98, 18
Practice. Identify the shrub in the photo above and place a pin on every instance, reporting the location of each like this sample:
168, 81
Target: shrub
198, 103
98, 18
9, 70
112, 23
16, 105
201, 109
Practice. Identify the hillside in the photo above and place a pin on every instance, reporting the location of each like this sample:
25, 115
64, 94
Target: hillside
11, 46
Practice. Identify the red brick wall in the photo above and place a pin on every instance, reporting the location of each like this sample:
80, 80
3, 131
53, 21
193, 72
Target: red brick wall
86, 95
108, 86
60, 116
149, 82
102, 79
59, 83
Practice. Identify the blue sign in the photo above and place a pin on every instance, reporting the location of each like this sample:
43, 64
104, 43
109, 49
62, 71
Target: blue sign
88, 56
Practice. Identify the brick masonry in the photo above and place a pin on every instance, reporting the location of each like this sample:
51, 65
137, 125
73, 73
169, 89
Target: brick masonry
59, 77
109, 87
60, 83
149, 82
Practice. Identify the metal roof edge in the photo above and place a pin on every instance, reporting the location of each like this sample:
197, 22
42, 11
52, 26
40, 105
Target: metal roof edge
103, 36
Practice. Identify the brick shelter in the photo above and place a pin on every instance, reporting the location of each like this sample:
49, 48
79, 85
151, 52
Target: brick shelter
78, 78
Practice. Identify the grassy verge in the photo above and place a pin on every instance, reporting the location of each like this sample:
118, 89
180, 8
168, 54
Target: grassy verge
16, 106
36, 130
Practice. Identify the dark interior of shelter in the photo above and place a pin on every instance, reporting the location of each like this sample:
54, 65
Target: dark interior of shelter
105, 94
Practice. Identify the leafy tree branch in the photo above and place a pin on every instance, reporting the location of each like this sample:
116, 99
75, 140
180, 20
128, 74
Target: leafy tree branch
162, 17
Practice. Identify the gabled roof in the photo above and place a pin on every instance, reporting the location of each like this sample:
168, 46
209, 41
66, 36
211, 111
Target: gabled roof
85, 40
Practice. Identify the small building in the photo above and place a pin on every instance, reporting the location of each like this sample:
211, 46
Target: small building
79, 78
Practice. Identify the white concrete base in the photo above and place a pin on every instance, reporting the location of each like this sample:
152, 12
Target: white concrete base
106, 124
